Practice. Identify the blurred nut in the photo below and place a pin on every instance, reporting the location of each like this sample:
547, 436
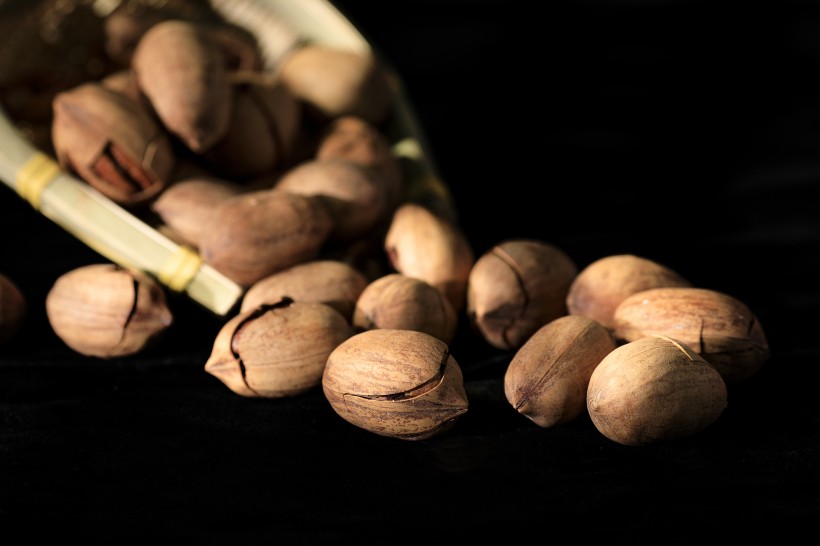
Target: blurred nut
334, 82
123, 82
356, 196
717, 326
186, 206
258, 233
398, 302
396, 383
430, 247
107, 311
654, 389
181, 71
112, 143
603, 284
331, 282
277, 350
13, 308
546, 381
515, 288
263, 130
354, 139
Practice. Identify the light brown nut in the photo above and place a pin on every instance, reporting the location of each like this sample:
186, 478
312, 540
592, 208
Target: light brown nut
717, 326
604, 283
399, 302
112, 143
356, 196
106, 311
180, 69
264, 129
547, 378
516, 287
123, 82
187, 206
334, 82
654, 389
396, 383
422, 244
13, 308
332, 282
258, 233
354, 139
277, 350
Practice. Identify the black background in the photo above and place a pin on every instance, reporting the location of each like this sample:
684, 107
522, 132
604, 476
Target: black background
687, 132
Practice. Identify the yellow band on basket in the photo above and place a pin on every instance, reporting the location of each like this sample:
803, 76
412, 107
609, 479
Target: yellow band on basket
180, 269
34, 176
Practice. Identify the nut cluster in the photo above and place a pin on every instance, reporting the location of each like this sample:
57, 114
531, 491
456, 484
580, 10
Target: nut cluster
280, 173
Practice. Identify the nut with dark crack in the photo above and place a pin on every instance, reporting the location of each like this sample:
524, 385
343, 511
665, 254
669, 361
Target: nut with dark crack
717, 326
107, 311
396, 383
112, 143
516, 287
277, 350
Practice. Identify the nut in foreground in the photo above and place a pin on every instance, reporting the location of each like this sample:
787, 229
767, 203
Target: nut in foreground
396, 383
107, 311
546, 381
277, 350
654, 389
13, 308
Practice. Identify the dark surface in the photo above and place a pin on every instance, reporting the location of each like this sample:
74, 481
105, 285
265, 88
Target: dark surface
686, 132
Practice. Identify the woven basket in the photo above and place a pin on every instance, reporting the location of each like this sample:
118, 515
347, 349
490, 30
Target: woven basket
44, 48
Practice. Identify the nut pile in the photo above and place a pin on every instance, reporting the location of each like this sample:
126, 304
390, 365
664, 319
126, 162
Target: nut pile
285, 181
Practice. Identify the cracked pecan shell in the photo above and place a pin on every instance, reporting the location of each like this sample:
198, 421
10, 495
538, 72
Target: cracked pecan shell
277, 350
718, 326
516, 287
107, 311
397, 383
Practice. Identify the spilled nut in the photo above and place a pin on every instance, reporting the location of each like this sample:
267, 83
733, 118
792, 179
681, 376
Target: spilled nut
107, 311
717, 326
396, 383
547, 378
277, 350
654, 389
606, 282
515, 288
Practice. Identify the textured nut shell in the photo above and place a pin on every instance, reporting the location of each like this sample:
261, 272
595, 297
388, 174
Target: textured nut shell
13, 308
515, 288
106, 311
399, 302
278, 350
603, 284
335, 82
357, 196
717, 326
653, 389
396, 383
424, 245
179, 67
186, 206
547, 379
263, 130
331, 282
258, 233
91, 122
354, 139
